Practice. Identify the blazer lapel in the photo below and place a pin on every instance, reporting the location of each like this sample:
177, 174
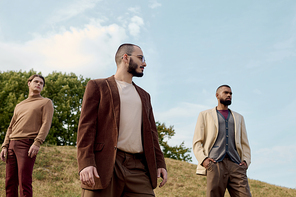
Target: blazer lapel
143, 98
115, 98
235, 121
215, 117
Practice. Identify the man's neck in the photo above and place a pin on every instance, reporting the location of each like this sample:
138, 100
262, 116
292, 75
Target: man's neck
123, 76
222, 107
34, 94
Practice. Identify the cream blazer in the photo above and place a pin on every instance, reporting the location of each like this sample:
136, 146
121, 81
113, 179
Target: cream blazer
206, 132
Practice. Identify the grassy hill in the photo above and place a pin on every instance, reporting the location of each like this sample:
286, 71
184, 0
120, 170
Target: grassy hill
55, 174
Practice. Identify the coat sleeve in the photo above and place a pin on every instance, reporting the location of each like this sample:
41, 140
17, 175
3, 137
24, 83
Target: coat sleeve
246, 156
87, 126
199, 139
160, 162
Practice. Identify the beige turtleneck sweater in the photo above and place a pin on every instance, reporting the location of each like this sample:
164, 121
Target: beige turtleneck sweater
31, 120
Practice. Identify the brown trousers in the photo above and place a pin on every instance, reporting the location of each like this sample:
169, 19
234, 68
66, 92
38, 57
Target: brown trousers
19, 168
130, 178
227, 174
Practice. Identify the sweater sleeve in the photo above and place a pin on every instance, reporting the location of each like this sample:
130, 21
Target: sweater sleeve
9, 131
47, 113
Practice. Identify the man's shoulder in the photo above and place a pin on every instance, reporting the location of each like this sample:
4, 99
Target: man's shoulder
207, 111
236, 113
46, 99
101, 81
141, 89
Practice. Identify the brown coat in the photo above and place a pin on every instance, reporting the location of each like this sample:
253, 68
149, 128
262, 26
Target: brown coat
98, 131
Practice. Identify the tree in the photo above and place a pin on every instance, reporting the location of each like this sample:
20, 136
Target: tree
179, 152
65, 90
13, 89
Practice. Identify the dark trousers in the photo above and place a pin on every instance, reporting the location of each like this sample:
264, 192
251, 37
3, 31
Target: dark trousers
19, 168
130, 178
227, 174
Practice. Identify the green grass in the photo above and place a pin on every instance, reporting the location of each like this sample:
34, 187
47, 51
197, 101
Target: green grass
55, 175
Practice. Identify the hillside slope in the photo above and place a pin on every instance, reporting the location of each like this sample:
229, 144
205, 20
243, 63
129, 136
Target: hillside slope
55, 174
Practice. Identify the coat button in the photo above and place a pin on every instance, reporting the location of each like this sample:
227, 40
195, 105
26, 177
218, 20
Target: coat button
115, 147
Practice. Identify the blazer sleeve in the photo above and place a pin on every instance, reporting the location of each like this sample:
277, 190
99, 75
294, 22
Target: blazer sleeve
199, 139
246, 156
160, 162
87, 126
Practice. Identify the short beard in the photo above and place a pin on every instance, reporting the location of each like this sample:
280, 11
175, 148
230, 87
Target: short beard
225, 102
132, 69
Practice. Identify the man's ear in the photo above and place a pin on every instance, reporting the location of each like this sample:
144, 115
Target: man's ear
125, 58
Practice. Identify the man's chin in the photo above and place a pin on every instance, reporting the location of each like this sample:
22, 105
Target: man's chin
226, 103
136, 74
139, 75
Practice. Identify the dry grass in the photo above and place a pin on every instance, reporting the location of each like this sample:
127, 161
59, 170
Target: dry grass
55, 174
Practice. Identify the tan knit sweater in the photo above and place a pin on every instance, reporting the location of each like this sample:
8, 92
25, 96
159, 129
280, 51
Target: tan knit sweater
31, 120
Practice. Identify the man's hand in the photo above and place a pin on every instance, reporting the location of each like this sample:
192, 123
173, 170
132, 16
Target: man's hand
33, 151
244, 163
161, 172
207, 161
3, 154
87, 176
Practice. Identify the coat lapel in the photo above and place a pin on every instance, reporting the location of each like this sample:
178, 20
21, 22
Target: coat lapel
235, 121
143, 99
215, 116
115, 98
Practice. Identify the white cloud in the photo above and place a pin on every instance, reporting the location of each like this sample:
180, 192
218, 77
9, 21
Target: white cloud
154, 4
182, 111
72, 10
134, 10
135, 25
183, 117
88, 51
277, 154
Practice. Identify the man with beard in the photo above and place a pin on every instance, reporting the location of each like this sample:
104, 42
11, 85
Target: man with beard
221, 147
117, 141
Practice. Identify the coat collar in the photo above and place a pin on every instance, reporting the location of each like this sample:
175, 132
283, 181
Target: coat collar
215, 117
115, 99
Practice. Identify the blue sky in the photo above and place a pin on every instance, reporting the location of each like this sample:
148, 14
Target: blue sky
191, 47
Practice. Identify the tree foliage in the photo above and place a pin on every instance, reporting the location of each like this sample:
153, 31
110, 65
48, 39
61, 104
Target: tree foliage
65, 90
178, 152
13, 89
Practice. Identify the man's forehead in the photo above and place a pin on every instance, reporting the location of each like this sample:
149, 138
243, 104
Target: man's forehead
137, 50
37, 78
224, 89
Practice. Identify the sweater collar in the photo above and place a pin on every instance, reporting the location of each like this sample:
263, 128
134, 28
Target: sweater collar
34, 96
